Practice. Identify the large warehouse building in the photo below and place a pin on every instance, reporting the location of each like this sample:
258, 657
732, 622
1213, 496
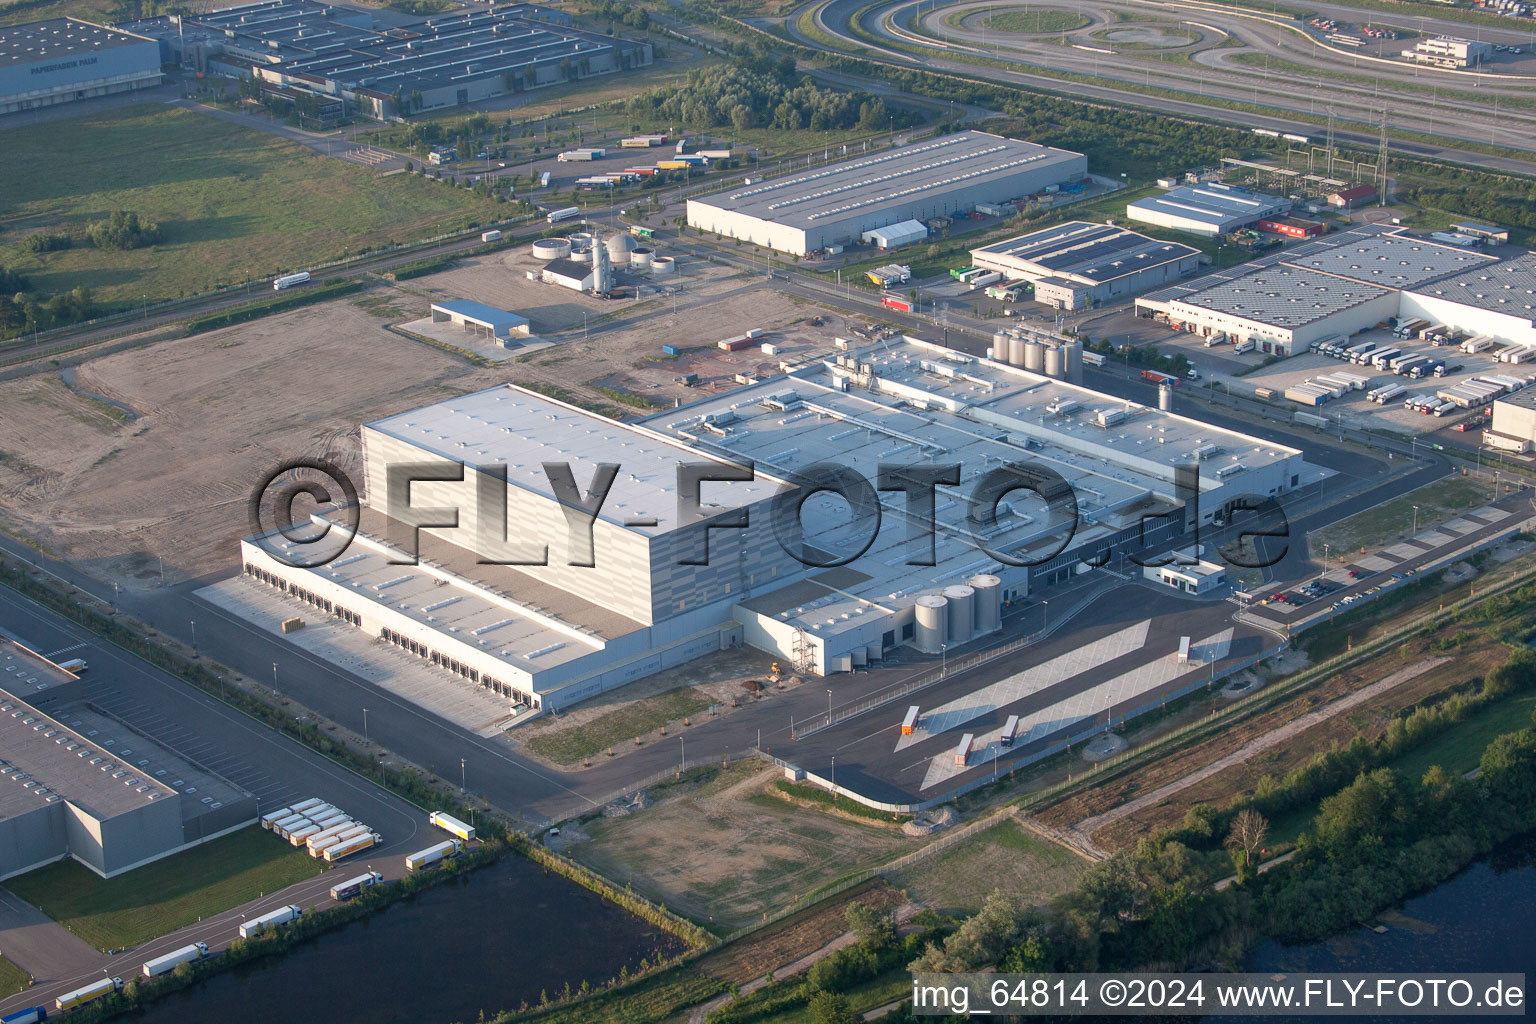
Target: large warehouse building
75, 782
61, 60
1325, 289
1494, 298
1078, 264
836, 204
382, 69
1211, 210
658, 581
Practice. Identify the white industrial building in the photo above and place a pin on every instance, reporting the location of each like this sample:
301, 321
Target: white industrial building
514, 599
1514, 423
1496, 298
836, 204
568, 274
1319, 290
896, 235
1449, 52
1211, 210
1077, 264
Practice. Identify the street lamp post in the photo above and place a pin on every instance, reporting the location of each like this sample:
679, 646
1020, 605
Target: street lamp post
829, 707
1415, 519
193, 623
463, 777
274, 677
365, 725
943, 659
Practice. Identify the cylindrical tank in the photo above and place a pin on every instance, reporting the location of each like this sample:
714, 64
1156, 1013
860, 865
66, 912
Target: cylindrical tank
582, 255
1034, 356
1074, 361
640, 259
987, 605
962, 615
579, 240
619, 248
662, 265
932, 621
1165, 398
1015, 351
1055, 362
551, 249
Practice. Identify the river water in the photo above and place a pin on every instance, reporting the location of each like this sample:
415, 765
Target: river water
1483, 919
488, 941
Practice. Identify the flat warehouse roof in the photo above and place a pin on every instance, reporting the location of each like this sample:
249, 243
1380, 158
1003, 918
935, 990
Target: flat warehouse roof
905, 174
1283, 296
524, 430
1388, 260
56, 761
1095, 253
58, 38
26, 674
1501, 287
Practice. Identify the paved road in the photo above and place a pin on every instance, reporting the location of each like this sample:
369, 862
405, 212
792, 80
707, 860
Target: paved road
834, 17
278, 770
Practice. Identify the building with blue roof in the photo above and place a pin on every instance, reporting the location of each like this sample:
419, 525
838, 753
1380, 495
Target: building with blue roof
1078, 264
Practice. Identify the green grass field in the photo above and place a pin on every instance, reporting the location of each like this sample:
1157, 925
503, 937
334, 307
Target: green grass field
1439, 501
147, 902
1007, 856
1037, 20
567, 746
12, 979
230, 202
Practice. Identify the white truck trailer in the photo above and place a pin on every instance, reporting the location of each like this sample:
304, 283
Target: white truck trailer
266, 922
175, 958
433, 855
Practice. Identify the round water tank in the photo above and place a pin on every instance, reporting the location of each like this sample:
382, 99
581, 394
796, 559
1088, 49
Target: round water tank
1015, 351
987, 605
1034, 356
580, 240
551, 249
1165, 398
661, 265
961, 615
1055, 362
582, 255
640, 259
932, 623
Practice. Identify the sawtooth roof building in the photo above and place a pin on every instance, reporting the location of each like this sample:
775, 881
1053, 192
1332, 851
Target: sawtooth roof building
1078, 264
835, 204
655, 583
1211, 209
381, 66
61, 60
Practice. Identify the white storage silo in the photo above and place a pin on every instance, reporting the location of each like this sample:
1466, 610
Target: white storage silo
1055, 361
662, 265
1015, 351
962, 615
1165, 397
581, 255
932, 623
640, 259
1034, 356
987, 605
1074, 350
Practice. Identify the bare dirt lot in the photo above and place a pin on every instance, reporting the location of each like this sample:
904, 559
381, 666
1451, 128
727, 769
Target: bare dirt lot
153, 452
726, 851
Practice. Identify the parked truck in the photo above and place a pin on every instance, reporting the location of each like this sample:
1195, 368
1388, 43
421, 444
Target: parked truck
266, 922
448, 823
352, 886
433, 855
31, 1015
348, 847
86, 993
170, 961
